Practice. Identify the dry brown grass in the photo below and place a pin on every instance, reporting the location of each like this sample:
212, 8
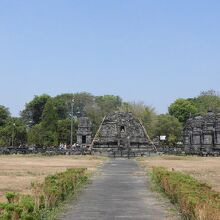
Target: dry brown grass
17, 172
205, 169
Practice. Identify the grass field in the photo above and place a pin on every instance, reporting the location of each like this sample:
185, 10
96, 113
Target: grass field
205, 169
18, 172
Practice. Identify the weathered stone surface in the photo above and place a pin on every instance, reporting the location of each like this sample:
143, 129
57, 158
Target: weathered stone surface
121, 130
217, 131
84, 133
120, 191
202, 134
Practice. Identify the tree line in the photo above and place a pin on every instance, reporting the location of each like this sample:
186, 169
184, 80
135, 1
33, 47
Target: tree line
46, 120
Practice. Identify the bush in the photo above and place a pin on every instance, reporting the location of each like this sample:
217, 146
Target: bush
21, 209
196, 200
11, 197
58, 187
46, 196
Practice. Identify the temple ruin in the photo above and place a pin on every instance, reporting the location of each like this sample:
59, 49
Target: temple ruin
84, 134
201, 134
121, 131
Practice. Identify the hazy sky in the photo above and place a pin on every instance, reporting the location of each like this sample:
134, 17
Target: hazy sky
152, 50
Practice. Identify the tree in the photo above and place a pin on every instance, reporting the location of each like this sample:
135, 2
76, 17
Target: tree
38, 136
20, 129
5, 136
81, 102
49, 116
170, 126
35, 135
4, 115
63, 105
49, 124
50, 138
45, 133
108, 103
64, 129
33, 110
94, 113
182, 109
13, 129
207, 100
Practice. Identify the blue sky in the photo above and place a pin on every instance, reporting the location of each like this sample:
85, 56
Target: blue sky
152, 50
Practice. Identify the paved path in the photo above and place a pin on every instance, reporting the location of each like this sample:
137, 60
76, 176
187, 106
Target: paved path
120, 192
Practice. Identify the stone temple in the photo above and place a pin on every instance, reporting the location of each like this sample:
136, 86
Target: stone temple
201, 134
121, 130
84, 134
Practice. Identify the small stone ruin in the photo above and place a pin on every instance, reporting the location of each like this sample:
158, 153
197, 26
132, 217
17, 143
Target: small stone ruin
84, 134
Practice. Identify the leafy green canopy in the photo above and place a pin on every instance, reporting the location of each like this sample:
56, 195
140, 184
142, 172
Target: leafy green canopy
15, 129
34, 109
4, 115
170, 126
182, 108
207, 100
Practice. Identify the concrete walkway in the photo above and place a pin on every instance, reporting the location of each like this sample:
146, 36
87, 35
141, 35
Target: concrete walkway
121, 191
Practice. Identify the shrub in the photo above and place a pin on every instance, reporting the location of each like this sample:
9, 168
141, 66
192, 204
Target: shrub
11, 197
58, 187
196, 200
46, 196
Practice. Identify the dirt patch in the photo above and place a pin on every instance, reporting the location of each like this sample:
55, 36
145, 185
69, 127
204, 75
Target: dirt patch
206, 169
18, 172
